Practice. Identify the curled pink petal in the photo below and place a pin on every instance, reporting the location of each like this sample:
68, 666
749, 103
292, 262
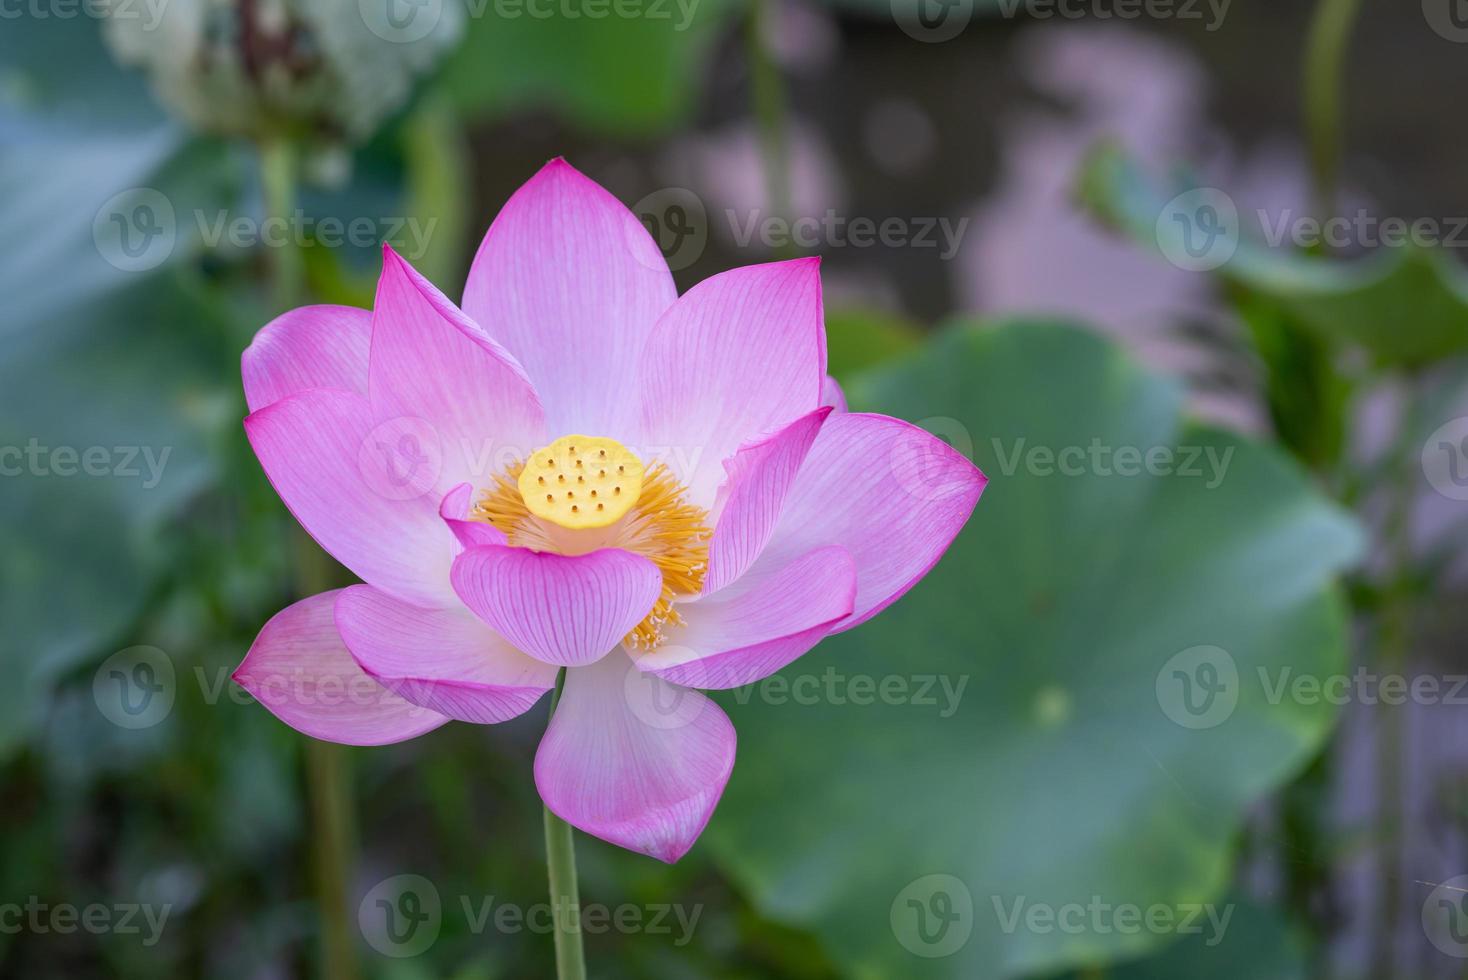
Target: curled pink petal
891, 494
634, 760
433, 364
567, 610
300, 670
341, 476
739, 356
832, 396
455, 512
442, 659
759, 476
761, 623
570, 282
309, 347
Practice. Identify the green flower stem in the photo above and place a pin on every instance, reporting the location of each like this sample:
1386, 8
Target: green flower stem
560, 863
278, 182
770, 116
328, 766
1393, 656
1325, 52
329, 773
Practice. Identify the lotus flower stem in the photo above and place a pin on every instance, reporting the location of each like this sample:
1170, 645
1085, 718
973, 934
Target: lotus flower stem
1325, 51
769, 113
560, 860
328, 767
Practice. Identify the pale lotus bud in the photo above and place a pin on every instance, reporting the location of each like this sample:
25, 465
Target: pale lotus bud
324, 70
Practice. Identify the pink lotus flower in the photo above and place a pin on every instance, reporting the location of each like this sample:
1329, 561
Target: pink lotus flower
578, 468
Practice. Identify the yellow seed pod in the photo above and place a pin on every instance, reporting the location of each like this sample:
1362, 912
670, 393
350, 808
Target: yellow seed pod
581, 481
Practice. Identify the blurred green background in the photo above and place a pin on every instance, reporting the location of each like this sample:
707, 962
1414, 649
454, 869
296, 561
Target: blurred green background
1186, 697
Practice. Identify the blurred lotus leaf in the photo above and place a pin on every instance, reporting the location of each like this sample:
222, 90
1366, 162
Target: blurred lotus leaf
1075, 708
632, 66
270, 68
1407, 305
859, 339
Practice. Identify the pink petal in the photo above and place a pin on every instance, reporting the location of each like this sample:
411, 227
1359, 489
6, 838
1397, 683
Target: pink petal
309, 347
336, 472
571, 283
890, 493
760, 624
634, 760
759, 476
443, 659
298, 668
737, 357
455, 513
562, 609
832, 396
430, 363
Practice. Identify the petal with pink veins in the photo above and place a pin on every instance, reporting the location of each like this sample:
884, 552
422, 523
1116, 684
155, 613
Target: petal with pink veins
566, 610
309, 347
739, 356
299, 668
634, 760
759, 476
571, 283
340, 477
443, 659
434, 366
891, 494
758, 625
